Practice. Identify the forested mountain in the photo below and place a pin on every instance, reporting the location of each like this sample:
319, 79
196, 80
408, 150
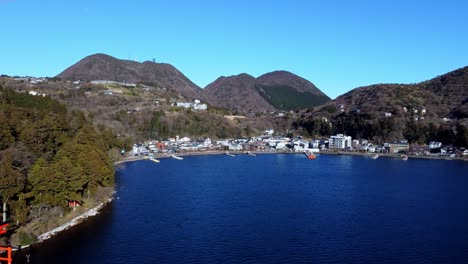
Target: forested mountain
104, 67
49, 156
431, 110
287, 91
279, 90
239, 93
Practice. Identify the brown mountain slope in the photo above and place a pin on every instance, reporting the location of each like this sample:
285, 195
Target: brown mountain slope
105, 67
237, 92
290, 79
443, 96
279, 90
452, 89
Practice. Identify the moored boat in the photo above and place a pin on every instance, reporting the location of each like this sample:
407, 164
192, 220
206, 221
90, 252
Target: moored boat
176, 157
309, 154
229, 154
375, 156
155, 160
405, 157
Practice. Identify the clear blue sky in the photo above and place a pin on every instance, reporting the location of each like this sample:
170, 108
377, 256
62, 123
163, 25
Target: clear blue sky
337, 45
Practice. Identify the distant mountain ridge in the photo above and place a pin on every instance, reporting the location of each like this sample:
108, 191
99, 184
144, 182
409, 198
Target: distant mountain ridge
278, 90
105, 67
443, 96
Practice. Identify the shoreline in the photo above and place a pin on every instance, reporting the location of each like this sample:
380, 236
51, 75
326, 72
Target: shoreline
344, 153
75, 221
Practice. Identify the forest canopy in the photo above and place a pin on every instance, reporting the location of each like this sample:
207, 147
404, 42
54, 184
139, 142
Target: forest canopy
49, 155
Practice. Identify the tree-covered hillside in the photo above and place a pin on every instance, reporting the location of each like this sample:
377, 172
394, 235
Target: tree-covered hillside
49, 155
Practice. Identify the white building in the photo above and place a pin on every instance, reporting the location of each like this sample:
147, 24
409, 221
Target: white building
207, 143
314, 144
196, 105
434, 145
268, 132
339, 141
235, 147
183, 105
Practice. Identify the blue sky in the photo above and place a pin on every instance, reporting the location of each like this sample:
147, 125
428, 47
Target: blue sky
337, 45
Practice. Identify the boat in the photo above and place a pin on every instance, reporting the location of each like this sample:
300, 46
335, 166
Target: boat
405, 157
176, 157
375, 156
309, 154
154, 160
251, 154
229, 154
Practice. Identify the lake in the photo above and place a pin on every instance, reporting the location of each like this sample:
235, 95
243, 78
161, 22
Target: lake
275, 209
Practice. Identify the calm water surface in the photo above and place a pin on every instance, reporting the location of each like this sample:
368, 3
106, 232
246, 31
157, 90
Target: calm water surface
275, 209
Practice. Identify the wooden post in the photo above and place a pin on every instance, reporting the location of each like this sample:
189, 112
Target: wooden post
4, 212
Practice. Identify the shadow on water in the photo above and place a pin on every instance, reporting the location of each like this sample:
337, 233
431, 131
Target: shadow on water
57, 249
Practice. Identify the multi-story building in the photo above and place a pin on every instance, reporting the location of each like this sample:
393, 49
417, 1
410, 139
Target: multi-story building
339, 141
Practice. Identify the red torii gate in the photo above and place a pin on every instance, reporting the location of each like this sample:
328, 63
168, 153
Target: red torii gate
3, 249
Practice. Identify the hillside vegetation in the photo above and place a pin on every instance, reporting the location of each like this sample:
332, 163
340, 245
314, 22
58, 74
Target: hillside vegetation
49, 156
434, 110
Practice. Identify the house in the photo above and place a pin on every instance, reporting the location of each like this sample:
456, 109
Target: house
314, 144
405, 109
423, 111
73, 204
371, 149
184, 139
196, 105
341, 107
435, 145
207, 143
268, 132
397, 147
235, 147
183, 105
387, 114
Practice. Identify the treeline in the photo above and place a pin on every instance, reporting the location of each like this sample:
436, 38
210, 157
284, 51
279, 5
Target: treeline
365, 126
352, 124
417, 132
49, 155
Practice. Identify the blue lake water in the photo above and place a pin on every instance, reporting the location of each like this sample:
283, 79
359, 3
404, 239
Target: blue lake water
275, 209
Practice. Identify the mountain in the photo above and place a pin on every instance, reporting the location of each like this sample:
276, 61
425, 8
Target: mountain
443, 96
286, 91
105, 67
279, 90
237, 92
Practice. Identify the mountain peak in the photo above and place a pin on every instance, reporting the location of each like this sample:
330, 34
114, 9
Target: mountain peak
272, 91
104, 67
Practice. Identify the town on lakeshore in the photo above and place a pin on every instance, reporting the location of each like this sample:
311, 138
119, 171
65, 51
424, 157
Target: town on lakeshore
267, 142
